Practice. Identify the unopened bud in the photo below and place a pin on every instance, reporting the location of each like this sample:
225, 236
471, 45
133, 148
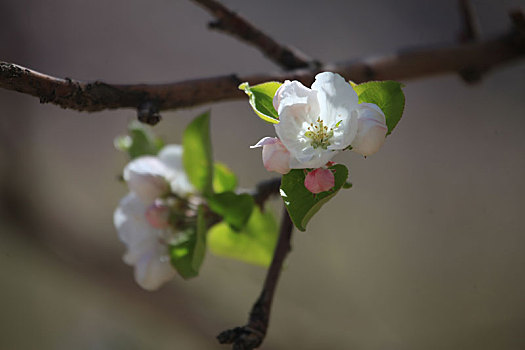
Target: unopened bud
319, 180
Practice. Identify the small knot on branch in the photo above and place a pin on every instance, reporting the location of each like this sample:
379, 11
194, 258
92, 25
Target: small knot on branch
242, 338
148, 113
216, 25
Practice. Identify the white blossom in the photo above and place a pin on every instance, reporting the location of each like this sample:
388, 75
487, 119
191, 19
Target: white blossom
316, 123
138, 218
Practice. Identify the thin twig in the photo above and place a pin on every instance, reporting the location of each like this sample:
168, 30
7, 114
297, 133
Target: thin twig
252, 334
408, 64
470, 32
231, 23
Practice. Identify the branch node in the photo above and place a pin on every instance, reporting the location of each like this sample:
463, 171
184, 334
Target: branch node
471, 75
217, 25
242, 338
148, 113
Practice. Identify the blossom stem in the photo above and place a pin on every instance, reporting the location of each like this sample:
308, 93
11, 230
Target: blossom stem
252, 334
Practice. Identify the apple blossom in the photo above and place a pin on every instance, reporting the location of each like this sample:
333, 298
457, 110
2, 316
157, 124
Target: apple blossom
316, 123
319, 180
142, 218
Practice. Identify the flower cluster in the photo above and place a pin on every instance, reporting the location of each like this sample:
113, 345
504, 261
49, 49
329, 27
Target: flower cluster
315, 124
149, 217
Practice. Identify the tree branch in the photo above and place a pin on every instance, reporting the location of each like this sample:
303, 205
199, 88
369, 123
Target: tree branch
252, 334
406, 64
470, 32
235, 25
265, 189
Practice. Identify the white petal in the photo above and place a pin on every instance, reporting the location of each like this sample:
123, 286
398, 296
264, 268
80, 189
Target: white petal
291, 129
133, 228
345, 132
130, 221
372, 129
144, 250
265, 141
317, 161
147, 177
293, 93
337, 99
171, 155
153, 270
181, 185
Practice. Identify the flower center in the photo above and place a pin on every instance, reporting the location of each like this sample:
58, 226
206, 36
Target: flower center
319, 134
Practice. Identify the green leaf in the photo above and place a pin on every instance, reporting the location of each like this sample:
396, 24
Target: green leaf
254, 244
197, 156
223, 178
388, 95
303, 204
141, 141
188, 252
234, 208
261, 99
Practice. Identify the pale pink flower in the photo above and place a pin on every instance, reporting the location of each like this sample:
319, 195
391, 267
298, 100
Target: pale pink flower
142, 221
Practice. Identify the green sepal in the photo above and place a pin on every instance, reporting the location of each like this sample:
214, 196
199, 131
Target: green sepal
140, 141
234, 208
387, 95
187, 253
254, 244
303, 204
197, 154
261, 99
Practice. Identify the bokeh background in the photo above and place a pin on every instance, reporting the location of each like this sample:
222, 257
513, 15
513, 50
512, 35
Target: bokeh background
426, 251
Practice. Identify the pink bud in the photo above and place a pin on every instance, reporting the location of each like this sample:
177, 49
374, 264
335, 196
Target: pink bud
275, 156
158, 215
319, 180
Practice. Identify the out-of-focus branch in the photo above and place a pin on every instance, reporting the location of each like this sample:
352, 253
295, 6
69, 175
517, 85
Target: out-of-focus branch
470, 30
251, 335
265, 189
406, 64
235, 25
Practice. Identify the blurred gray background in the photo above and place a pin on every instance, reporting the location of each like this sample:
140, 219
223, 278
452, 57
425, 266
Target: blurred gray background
426, 251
